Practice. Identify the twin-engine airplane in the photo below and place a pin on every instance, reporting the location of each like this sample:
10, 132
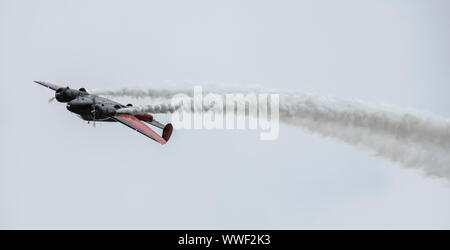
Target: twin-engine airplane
95, 108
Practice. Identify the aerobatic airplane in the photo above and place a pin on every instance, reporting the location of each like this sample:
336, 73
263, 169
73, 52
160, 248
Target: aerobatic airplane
94, 108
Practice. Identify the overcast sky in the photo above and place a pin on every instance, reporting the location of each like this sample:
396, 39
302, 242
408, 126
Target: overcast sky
58, 172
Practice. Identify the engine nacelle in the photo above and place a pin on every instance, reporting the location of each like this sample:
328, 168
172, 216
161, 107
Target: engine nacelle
66, 94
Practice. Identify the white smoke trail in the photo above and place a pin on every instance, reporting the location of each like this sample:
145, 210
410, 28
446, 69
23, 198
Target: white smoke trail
431, 159
169, 93
415, 140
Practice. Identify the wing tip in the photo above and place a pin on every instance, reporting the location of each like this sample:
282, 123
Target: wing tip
42, 83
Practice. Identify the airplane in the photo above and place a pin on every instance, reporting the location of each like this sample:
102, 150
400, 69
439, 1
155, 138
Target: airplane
94, 108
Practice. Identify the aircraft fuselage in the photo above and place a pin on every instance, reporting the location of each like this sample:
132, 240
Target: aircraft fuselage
90, 107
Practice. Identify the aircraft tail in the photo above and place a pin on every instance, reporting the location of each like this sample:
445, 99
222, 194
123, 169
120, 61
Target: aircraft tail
167, 131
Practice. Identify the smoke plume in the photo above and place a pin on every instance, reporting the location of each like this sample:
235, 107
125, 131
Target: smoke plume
413, 139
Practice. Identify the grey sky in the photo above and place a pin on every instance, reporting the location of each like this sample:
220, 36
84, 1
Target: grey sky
58, 172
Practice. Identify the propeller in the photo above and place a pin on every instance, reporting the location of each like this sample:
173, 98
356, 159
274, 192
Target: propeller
51, 99
93, 110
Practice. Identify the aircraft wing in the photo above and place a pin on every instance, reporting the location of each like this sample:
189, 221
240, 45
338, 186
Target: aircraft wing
49, 85
134, 123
